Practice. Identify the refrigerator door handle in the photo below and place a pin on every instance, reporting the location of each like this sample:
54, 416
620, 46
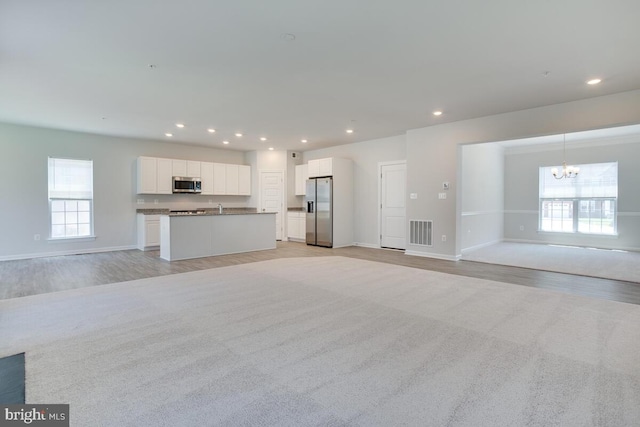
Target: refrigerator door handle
310, 207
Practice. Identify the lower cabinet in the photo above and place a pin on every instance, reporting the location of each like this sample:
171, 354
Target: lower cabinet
296, 226
148, 232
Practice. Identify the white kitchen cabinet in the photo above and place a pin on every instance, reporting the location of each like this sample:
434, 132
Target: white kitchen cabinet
146, 174
301, 176
244, 180
154, 175
148, 232
179, 167
219, 179
164, 170
296, 225
313, 168
206, 175
193, 169
232, 177
320, 167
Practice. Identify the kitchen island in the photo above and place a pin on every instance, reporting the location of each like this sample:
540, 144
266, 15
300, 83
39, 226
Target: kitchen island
213, 233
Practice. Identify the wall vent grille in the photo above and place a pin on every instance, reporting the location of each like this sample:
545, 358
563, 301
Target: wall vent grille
421, 233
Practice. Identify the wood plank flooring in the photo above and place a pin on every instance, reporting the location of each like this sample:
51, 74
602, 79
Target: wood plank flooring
41, 275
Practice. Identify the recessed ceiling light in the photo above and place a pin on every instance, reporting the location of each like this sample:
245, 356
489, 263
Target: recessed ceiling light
437, 113
225, 142
211, 130
168, 134
304, 141
594, 81
180, 125
238, 134
262, 138
349, 130
270, 148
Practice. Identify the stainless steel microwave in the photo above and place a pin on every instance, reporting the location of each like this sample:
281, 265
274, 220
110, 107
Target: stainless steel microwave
183, 184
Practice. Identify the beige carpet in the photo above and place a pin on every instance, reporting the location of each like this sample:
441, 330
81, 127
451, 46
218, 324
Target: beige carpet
327, 341
603, 263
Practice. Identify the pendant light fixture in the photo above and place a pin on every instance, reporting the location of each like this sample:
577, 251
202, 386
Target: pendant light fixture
567, 171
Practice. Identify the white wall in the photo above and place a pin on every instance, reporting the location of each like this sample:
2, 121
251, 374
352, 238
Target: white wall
365, 156
24, 208
482, 195
521, 193
432, 155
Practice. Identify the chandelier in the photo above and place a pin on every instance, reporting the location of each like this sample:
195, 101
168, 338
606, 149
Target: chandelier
567, 171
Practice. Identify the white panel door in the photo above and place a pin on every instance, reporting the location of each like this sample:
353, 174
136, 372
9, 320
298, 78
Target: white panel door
393, 206
219, 178
206, 174
164, 177
271, 196
179, 167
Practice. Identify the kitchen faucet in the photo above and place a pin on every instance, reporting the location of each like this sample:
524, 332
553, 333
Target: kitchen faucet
219, 207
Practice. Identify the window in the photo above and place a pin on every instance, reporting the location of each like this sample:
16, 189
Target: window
585, 204
70, 198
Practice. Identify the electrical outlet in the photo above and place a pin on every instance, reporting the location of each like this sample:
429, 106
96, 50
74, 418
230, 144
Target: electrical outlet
155, 201
522, 228
413, 196
36, 237
444, 237
210, 201
140, 201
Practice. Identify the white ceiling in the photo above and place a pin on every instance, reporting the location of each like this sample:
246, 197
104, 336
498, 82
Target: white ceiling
382, 67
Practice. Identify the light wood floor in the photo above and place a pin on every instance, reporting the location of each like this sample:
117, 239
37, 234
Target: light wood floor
41, 275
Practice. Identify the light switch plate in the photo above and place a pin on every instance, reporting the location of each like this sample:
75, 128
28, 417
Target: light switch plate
442, 195
413, 196
445, 185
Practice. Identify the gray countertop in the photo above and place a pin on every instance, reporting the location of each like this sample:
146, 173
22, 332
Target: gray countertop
204, 211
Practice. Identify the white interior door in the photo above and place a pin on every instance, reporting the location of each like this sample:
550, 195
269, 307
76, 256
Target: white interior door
393, 179
271, 196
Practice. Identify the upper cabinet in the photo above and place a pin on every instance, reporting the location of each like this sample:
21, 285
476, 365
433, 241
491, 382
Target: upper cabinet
154, 176
194, 169
186, 168
320, 167
244, 180
147, 172
164, 176
179, 168
206, 175
301, 176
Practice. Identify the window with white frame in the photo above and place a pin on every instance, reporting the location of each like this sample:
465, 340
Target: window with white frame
70, 198
584, 204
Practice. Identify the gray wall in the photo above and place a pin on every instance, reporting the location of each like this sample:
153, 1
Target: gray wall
24, 209
521, 192
482, 195
365, 156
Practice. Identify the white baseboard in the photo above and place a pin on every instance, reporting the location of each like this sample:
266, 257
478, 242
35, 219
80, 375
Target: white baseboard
432, 255
69, 252
366, 245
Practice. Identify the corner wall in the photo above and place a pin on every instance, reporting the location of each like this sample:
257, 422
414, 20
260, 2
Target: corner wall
482, 195
432, 155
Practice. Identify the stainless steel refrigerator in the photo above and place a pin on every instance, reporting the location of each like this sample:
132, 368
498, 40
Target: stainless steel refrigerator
319, 198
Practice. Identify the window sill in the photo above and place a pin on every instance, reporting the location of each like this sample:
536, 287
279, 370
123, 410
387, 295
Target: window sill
565, 233
71, 239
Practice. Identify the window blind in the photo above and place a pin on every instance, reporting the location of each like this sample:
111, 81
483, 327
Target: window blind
70, 179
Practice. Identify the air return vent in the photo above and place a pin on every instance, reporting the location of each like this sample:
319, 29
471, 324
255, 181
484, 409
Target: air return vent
421, 233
